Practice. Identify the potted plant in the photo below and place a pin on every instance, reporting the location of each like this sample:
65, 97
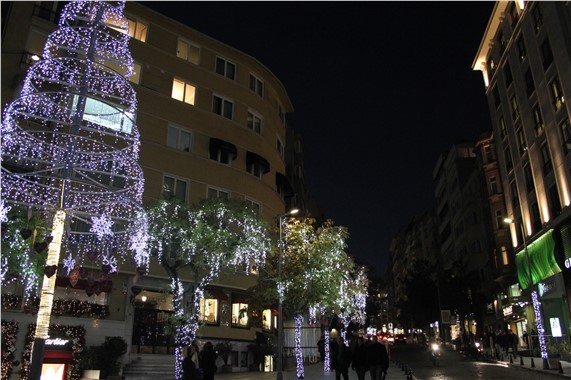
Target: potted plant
105, 358
223, 349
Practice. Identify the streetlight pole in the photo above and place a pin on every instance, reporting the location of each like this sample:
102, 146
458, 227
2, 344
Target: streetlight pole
279, 375
530, 336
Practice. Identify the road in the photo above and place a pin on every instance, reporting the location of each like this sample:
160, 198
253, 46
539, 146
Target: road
452, 366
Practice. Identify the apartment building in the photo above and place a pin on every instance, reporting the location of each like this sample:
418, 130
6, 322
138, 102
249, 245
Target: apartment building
525, 59
212, 122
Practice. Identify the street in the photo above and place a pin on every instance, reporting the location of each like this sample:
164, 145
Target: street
453, 366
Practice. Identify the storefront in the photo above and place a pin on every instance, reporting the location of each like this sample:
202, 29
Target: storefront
58, 357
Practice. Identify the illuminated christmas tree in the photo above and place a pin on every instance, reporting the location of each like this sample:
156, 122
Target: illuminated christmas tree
70, 151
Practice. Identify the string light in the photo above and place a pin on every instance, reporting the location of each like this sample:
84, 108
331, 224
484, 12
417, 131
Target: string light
327, 359
9, 335
539, 322
298, 353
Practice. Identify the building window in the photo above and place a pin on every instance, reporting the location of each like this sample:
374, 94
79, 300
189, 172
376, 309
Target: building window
528, 178
281, 113
179, 138
223, 107
502, 124
514, 196
225, 68
223, 156
491, 67
185, 92
256, 165
137, 29
256, 85
554, 201
254, 205
515, 108
546, 159
240, 314
546, 54
535, 218
529, 84
497, 100
538, 119
500, 224
522, 145
136, 77
565, 129
556, 94
508, 157
537, 17
187, 51
209, 310
267, 319
280, 148
214, 193
505, 257
175, 187
255, 122
493, 185
522, 52
508, 74
501, 42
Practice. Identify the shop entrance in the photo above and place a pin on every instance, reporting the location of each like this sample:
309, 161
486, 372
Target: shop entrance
151, 333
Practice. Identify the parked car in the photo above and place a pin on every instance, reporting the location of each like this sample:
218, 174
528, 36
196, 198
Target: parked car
400, 339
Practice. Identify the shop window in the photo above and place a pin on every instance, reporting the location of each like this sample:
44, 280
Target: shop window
267, 319
209, 310
240, 314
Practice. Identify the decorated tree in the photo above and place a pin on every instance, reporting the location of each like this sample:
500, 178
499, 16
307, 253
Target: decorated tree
70, 153
204, 239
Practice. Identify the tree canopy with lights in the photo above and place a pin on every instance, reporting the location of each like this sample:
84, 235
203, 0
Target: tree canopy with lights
70, 151
204, 239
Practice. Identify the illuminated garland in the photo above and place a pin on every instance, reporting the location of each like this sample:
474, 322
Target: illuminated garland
9, 335
539, 322
77, 336
298, 353
10, 301
327, 359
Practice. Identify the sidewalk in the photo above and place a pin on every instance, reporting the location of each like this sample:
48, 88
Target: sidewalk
312, 372
535, 364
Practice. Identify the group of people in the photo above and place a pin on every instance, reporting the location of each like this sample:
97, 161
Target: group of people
199, 365
504, 341
362, 356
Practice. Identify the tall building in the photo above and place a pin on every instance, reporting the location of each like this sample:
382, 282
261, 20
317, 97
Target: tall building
212, 122
525, 59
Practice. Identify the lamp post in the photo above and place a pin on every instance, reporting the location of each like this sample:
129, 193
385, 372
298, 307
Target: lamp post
511, 221
279, 375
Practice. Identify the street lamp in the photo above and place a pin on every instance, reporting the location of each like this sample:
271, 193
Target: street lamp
511, 221
280, 296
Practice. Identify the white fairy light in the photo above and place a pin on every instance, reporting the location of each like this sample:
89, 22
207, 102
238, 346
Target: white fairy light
69, 263
4, 212
101, 226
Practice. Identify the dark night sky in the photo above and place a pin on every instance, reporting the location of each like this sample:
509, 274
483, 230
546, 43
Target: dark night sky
379, 89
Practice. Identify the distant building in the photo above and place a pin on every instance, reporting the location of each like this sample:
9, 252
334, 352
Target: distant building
213, 125
525, 59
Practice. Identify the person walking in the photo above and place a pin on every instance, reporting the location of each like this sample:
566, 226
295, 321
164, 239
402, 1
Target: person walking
359, 362
208, 361
512, 340
341, 359
377, 359
191, 364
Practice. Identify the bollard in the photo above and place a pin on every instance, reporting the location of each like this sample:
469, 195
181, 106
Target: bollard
409, 374
532, 363
520, 360
511, 359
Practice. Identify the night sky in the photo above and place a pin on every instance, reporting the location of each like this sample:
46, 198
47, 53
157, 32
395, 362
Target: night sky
379, 89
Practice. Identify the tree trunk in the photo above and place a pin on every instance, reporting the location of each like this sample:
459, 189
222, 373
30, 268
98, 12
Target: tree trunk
298, 353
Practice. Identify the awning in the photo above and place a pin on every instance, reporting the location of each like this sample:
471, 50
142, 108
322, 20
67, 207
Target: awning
217, 144
240, 298
283, 183
541, 259
255, 159
215, 293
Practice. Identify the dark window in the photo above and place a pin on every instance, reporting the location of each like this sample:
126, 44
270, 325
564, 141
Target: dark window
522, 52
497, 100
515, 108
493, 185
535, 218
554, 201
565, 129
491, 67
513, 15
502, 124
537, 17
546, 54
222, 107
508, 74
489, 154
528, 178
529, 84
509, 162
522, 145
225, 68
538, 119
546, 159
501, 42
556, 94
514, 196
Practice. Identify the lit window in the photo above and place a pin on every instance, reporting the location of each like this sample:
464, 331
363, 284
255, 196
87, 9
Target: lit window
185, 92
538, 119
179, 138
267, 319
137, 30
225, 68
255, 122
505, 257
106, 115
175, 187
209, 310
136, 77
256, 85
515, 108
187, 51
223, 107
556, 94
240, 314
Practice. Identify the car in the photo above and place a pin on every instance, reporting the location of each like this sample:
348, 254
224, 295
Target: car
400, 339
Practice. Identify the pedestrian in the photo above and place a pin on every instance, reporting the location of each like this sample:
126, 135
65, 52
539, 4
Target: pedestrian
377, 359
208, 361
321, 348
191, 363
340, 359
526, 339
512, 340
359, 362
